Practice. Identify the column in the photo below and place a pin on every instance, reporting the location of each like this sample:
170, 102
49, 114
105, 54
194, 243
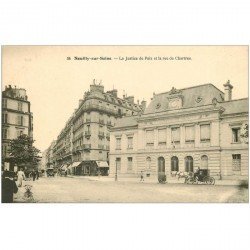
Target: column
155, 138
182, 136
169, 144
197, 135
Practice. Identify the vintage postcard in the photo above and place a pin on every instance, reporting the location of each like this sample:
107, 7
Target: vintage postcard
125, 124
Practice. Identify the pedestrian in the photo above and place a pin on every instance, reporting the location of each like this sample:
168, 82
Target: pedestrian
20, 177
142, 177
33, 174
37, 174
9, 187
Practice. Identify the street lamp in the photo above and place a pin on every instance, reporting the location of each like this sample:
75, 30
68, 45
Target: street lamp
115, 169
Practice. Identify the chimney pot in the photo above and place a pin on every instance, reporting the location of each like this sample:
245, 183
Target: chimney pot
228, 90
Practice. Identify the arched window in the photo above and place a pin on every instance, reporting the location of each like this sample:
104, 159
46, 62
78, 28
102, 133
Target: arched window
189, 164
204, 162
148, 163
174, 163
161, 164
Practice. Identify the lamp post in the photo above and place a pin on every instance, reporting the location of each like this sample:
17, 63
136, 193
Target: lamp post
115, 169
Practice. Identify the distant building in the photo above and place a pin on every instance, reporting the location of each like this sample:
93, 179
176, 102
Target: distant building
83, 144
181, 130
49, 155
17, 119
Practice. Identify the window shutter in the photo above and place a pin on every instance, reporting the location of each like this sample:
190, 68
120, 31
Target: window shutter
162, 135
205, 132
150, 136
189, 133
175, 134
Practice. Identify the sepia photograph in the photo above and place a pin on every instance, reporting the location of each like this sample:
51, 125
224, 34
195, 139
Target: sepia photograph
125, 124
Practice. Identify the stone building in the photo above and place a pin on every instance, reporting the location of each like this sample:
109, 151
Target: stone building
49, 155
181, 130
83, 144
17, 119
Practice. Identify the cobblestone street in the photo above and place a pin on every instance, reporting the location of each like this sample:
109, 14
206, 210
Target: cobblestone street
105, 189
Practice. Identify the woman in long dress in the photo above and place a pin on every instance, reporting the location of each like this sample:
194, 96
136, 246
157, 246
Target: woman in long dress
20, 177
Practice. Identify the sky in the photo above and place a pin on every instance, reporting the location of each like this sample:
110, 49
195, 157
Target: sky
55, 84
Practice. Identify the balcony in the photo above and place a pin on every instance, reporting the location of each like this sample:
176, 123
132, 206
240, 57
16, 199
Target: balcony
86, 147
95, 107
101, 135
87, 134
101, 147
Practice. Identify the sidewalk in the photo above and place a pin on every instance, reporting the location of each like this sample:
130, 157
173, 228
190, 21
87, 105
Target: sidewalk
171, 180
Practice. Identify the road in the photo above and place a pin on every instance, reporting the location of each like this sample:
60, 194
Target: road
82, 190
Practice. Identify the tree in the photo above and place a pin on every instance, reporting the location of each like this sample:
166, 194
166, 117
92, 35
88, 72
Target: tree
244, 132
23, 152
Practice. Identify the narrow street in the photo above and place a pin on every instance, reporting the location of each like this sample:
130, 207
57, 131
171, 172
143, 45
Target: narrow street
82, 190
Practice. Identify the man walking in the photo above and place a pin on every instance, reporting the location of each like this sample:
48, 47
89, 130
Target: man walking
142, 177
33, 174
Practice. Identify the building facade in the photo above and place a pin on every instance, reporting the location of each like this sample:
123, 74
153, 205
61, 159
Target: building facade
86, 136
182, 130
17, 119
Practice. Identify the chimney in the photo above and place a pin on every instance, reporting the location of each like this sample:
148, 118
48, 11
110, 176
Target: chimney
228, 91
130, 99
113, 92
94, 87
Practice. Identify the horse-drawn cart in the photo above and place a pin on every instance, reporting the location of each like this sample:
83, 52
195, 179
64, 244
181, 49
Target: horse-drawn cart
200, 176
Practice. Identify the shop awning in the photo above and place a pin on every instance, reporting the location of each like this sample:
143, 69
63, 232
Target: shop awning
70, 166
102, 164
75, 164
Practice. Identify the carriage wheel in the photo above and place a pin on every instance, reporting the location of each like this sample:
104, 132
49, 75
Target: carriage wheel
212, 180
209, 180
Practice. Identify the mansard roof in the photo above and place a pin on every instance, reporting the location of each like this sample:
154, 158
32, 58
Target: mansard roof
126, 121
235, 106
191, 97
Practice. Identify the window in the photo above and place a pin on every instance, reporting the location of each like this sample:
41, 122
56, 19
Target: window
118, 163
19, 132
161, 164
175, 135
204, 162
5, 150
20, 106
130, 142
5, 133
162, 136
236, 162
236, 134
174, 163
130, 163
118, 143
5, 118
5, 103
189, 164
148, 163
20, 120
150, 137
205, 133
88, 128
189, 134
